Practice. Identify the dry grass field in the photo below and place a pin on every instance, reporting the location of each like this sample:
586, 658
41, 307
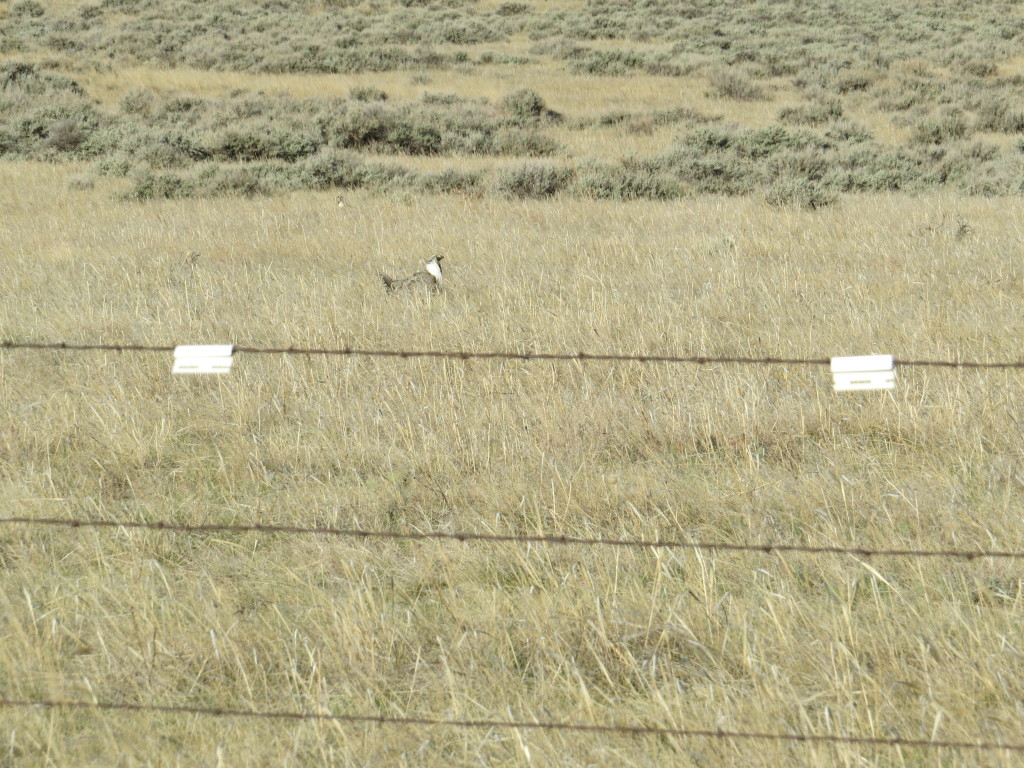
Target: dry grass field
742, 641
826, 645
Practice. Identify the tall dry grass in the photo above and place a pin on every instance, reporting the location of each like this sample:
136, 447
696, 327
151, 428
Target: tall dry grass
818, 644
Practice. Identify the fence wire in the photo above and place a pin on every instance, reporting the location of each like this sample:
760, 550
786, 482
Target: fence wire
553, 539
499, 355
381, 720
631, 730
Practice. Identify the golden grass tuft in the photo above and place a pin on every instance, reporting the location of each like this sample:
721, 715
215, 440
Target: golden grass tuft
816, 644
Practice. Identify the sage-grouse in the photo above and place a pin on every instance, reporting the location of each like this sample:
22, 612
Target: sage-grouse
425, 279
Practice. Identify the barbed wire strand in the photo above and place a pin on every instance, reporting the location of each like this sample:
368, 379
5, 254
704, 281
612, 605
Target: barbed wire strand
556, 539
634, 730
478, 355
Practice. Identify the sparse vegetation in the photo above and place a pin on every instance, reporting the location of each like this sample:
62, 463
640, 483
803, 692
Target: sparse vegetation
844, 66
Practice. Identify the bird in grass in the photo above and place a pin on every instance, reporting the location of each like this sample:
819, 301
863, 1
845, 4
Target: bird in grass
428, 278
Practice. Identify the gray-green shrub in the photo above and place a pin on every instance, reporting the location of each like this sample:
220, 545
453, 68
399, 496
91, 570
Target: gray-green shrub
533, 180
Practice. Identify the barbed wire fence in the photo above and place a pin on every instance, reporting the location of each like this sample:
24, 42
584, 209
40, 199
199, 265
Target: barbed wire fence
495, 538
614, 728
540, 539
505, 355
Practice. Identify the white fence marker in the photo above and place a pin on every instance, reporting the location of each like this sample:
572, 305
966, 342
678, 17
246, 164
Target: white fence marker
863, 372
203, 358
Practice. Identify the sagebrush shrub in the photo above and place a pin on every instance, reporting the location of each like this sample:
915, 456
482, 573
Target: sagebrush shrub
512, 9
8, 142
155, 186
523, 143
531, 180
30, 8
233, 181
800, 193
256, 144
949, 125
815, 113
622, 182
451, 180
1000, 116
523, 107
367, 93
65, 136
138, 101
726, 84
332, 168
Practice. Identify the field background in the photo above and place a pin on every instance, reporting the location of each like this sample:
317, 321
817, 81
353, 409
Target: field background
709, 179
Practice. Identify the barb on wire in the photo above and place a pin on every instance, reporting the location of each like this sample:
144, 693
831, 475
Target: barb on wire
556, 539
633, 730
486, 355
